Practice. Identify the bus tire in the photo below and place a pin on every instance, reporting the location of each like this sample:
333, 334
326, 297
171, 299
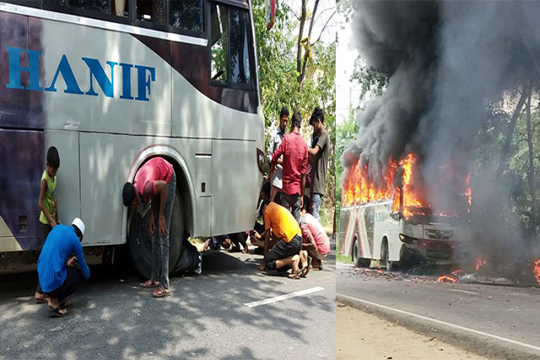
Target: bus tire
385, 255
140, 240
357, 260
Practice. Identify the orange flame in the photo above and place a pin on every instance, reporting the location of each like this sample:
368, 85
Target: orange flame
537, 270
447, 278
358, 187
481, 261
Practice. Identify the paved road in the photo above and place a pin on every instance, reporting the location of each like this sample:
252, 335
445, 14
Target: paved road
205, 318
491, 320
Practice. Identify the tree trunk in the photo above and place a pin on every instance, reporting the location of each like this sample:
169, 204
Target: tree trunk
531, 165
510, 132
306, 55
299, 45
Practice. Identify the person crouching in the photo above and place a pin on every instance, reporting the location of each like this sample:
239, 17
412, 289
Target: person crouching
58, 276
288, 249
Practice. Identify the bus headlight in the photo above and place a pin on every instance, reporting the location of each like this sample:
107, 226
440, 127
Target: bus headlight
260, 160
406, 239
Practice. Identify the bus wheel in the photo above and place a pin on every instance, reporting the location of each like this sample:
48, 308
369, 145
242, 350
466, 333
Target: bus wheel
385, 255
357, 260
140, 239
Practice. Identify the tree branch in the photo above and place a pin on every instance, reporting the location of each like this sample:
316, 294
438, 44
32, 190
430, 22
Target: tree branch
324, 27
510, 133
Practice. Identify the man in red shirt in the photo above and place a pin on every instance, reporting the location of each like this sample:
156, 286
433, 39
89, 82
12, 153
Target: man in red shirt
295, 160
155, 180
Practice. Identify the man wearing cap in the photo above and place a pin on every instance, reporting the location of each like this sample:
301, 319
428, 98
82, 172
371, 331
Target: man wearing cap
155, 180
58, 275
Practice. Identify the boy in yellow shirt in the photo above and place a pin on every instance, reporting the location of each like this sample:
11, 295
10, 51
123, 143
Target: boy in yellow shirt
48, 203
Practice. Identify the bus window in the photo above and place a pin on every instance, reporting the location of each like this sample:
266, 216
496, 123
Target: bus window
30, 3
151, 11
47, 3
101, 6
186, 15
239, 49
119, 8
219, 43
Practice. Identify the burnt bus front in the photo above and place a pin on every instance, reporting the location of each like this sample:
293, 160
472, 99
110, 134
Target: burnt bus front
434, 240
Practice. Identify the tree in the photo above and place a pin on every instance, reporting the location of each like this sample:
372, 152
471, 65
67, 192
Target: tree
278, 81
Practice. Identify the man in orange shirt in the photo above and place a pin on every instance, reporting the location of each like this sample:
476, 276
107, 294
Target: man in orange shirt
288, 249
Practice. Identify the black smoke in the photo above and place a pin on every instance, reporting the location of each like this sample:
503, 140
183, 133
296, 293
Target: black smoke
446, 60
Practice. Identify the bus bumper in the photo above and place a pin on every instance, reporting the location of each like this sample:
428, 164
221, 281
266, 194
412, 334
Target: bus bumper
436, 252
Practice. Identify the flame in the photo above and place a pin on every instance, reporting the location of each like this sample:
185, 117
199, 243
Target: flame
359, 188
481, 261
447, 278
537, 270
458, 272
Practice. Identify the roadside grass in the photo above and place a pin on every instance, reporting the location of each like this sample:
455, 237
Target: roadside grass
343, 258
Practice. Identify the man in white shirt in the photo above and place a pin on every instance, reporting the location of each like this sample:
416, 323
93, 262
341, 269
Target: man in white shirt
273, 145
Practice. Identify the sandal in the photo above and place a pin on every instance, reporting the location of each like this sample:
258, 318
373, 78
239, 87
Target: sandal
295, 274
56, 312
64, 304
161, 292
305, 270
150, 284
42, 300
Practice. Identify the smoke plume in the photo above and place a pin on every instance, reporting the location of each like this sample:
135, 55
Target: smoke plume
446, 60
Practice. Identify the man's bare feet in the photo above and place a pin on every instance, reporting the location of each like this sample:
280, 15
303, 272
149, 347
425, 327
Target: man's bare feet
40, 298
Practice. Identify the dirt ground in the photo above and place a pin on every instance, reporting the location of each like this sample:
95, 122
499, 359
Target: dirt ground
364, 336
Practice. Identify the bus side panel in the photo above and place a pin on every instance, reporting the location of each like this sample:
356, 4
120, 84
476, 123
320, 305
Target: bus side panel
21, 166
365, 231
67, 185
233, 186
143, 107
386, 227
105, 161
19, 108
342, 235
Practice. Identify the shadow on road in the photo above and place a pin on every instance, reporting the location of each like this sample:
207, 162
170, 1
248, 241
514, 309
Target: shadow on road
113, 317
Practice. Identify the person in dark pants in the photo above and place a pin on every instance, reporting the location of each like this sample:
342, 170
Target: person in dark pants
155, 180
58, 275
318, 154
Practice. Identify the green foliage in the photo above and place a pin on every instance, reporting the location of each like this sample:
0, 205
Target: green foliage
373, 82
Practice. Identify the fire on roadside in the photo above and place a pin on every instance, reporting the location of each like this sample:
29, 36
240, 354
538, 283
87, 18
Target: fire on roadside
537, 270
359, 188
480, 261
447, 278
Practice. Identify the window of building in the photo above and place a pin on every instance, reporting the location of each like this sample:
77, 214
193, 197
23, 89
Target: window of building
186, 15
218, 50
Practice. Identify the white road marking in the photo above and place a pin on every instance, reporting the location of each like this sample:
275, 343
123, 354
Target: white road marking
284, 297
443, 323
465, 291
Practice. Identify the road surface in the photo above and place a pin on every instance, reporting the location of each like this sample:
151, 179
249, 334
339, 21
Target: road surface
496, 321
206, 317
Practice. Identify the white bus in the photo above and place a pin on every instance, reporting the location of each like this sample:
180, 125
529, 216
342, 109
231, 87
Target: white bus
391, 231
113, 83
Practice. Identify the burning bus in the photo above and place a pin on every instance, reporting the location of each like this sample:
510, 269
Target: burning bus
392, 220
